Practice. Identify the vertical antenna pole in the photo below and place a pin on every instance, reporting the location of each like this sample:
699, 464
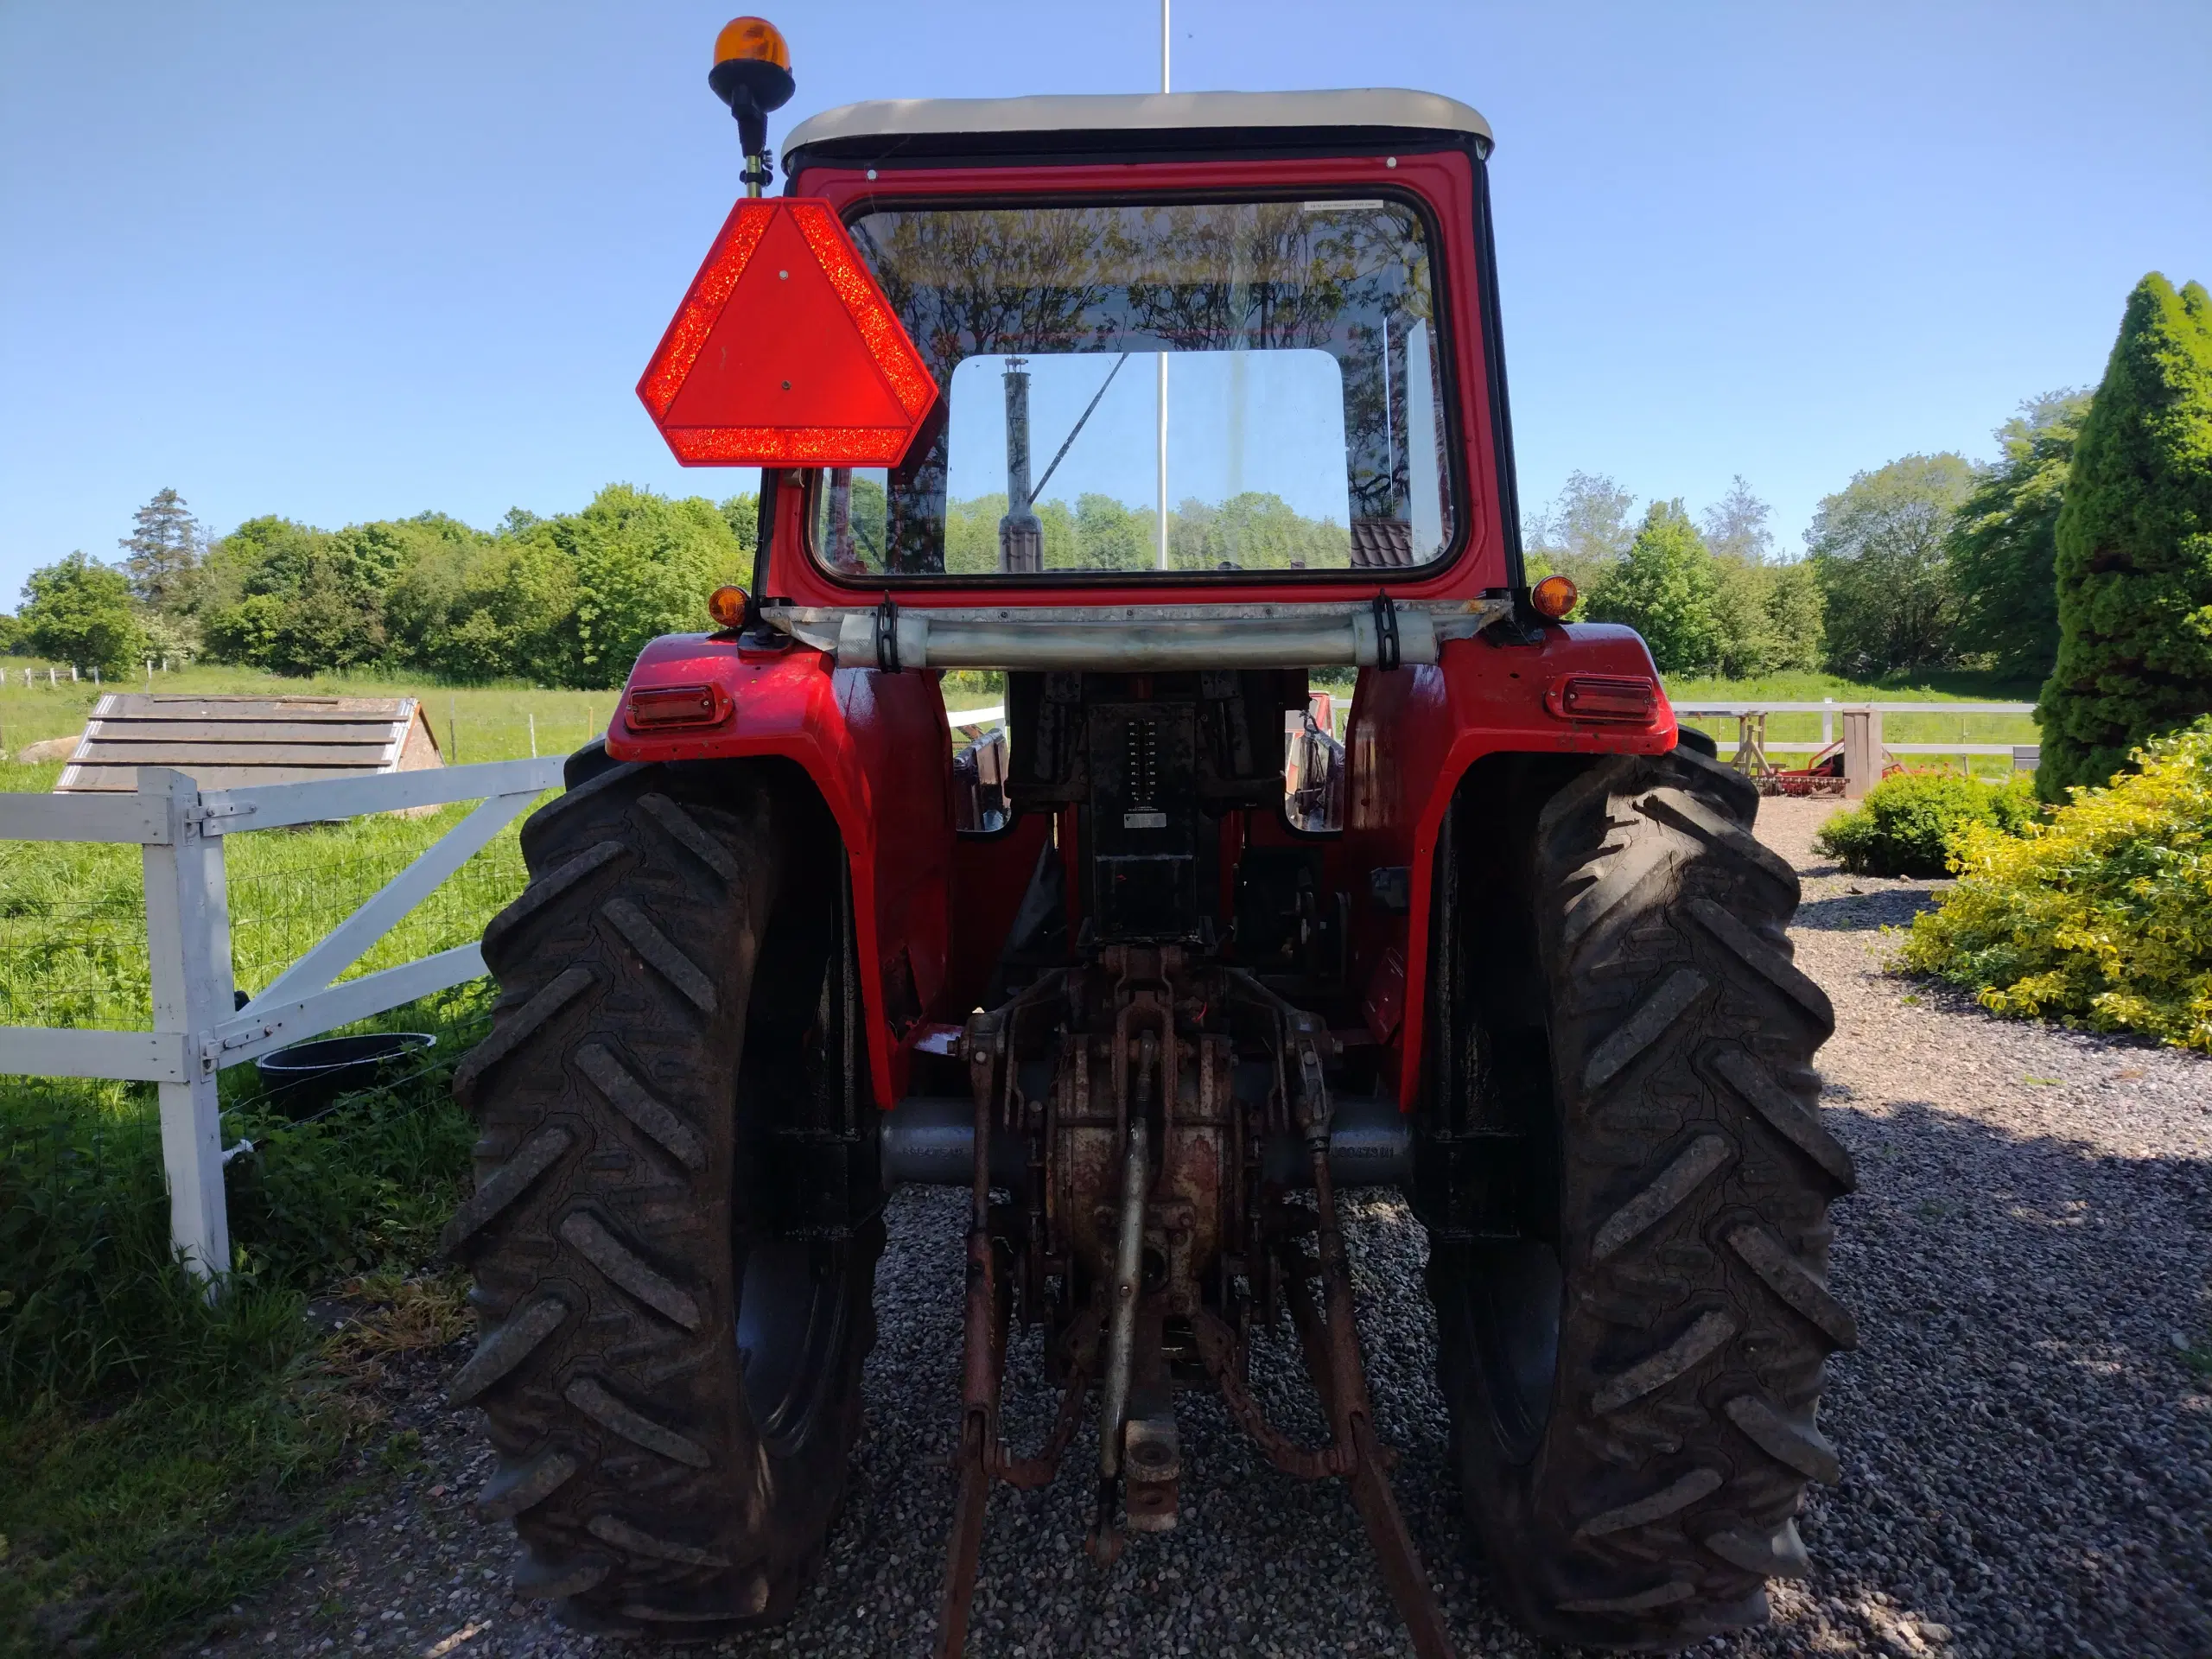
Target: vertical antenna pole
1161, 390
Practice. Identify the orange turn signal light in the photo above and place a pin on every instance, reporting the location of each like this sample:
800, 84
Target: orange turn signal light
659, 708
752, 39
1598, 696
1553, 596
727, 605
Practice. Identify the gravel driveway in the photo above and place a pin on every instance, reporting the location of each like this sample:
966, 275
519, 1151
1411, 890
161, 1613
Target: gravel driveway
2026, 1431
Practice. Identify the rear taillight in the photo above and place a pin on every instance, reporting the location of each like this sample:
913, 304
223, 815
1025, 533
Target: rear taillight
659, 708
1592, 696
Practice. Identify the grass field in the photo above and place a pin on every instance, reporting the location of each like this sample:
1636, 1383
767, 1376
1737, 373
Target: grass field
473, 722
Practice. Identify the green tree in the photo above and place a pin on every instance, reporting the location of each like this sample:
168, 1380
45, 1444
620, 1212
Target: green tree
1109, 536
1584, 531
1770, 613
1735, 525
743, 514
2003, 546
79, 611
2135, 539
1878, 555
1666, 588
644, 566
162, 550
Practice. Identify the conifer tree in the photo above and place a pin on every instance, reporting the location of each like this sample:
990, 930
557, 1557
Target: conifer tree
162, 549
2135, 547
2004, 544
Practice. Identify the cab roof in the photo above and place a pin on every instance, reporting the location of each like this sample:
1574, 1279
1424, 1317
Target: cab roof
889, 121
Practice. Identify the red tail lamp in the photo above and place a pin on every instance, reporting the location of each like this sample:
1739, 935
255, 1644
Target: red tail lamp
1601, 698
665, 708
1553, 597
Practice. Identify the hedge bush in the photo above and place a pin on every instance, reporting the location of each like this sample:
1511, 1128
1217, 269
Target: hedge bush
1906, 825
2101, 917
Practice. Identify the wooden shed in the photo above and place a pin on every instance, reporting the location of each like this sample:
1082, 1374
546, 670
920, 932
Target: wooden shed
225, 742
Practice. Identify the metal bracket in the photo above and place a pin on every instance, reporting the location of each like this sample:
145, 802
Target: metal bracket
1387, 652
886, 635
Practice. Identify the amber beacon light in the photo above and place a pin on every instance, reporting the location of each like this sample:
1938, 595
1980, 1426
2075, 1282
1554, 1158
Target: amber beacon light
1553, 597
752, 75
727, 605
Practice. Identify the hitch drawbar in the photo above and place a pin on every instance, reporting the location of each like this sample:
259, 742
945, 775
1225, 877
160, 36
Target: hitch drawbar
930, 1141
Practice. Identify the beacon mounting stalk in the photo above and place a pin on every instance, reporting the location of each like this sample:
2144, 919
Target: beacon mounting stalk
752, 75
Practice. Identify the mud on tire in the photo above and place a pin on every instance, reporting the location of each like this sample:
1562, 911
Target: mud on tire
670, 1372
1627, 1189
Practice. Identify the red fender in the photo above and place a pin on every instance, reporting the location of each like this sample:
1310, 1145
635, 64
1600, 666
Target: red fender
1412, 736
877, 747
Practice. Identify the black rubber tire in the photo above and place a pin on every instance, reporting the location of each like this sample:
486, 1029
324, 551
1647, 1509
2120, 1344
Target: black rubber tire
1633, 1385
672, 1388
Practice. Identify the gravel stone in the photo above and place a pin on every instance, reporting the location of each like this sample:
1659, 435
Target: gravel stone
2025, 1432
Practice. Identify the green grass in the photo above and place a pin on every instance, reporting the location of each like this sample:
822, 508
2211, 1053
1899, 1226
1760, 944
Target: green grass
473, 722
161, 1457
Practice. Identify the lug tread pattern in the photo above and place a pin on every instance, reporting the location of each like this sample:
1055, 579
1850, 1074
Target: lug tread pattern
519, 1485
598, 1246
661, 953
635, 1102
1699, 1483
610, 1217
587, 1395
512, 1032
506, 1345
542, 893
508, 1182
1696, 1315
1669, 1191
685, 831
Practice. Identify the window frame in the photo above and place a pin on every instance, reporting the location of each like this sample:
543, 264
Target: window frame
1447, 391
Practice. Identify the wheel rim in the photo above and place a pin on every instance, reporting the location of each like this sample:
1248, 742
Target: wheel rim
790, 1322
1513, 1305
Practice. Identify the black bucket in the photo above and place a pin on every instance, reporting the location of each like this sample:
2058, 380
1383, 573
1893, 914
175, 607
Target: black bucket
305, 1077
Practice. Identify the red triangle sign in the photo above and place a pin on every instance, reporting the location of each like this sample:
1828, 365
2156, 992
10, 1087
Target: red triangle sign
785, 352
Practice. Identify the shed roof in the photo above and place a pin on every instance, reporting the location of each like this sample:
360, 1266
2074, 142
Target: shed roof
223, 742
1387, 107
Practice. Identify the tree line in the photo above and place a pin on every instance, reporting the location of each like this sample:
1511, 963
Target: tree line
2081, 555
569, 599
1929, 561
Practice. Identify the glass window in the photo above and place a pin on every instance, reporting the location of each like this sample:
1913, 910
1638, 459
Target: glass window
1266, 372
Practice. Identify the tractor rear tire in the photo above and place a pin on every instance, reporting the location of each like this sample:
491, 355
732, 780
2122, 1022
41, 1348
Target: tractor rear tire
671, 1383
1633, 1379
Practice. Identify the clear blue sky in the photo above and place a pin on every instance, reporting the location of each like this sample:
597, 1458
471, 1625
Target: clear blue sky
353, 262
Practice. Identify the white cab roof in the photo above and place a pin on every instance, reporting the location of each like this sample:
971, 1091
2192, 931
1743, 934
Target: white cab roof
1378, 106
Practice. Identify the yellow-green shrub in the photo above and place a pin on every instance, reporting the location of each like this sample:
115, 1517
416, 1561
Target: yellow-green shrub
2100, 917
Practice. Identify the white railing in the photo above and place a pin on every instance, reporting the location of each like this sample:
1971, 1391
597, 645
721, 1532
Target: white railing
1829, 710
198, 1030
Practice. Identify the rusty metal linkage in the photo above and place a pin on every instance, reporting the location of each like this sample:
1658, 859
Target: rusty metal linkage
1156, 1107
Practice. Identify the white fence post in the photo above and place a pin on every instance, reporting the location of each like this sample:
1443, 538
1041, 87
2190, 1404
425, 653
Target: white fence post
188, 948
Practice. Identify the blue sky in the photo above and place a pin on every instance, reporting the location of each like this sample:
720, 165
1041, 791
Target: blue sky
344, 263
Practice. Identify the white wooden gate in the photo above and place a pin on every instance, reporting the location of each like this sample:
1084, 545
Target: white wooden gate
198, 1031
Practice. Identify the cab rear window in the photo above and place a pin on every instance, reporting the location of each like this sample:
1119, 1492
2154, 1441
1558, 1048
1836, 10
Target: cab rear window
1206, 388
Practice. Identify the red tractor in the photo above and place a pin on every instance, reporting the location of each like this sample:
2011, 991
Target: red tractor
1523, 960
